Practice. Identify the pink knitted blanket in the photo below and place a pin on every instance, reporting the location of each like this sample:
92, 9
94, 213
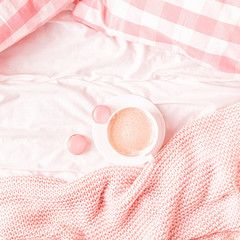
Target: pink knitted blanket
190, 191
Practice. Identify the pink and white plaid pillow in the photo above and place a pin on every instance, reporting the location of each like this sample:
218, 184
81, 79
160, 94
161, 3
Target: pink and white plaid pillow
206, 30
20, 17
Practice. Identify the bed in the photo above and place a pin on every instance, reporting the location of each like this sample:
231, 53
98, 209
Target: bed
51, 80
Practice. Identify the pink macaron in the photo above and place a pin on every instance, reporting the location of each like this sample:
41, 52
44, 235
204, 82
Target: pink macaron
77, 144
101, 114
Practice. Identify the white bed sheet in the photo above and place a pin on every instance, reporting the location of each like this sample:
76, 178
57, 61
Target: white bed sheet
51, 80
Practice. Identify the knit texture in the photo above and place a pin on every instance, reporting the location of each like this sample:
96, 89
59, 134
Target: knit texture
190, 191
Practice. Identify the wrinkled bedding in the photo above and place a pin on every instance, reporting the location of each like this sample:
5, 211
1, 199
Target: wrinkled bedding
51, 80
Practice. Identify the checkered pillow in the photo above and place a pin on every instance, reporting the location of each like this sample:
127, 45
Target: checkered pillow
20, 17
206, 30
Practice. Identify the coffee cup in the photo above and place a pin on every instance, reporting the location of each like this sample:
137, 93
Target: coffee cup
132, 132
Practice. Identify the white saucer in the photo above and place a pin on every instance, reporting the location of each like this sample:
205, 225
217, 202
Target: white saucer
99, 131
